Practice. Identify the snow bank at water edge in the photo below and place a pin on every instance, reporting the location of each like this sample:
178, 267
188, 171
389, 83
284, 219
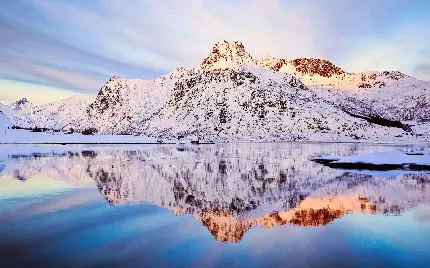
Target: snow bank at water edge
414, 161
24, 136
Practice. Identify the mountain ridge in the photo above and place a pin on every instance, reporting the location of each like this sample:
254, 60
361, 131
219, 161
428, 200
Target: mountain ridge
57, 114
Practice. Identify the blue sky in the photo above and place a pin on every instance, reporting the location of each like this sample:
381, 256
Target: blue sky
54, 49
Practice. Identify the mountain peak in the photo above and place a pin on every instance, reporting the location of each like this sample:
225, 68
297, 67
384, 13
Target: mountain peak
21, 103
227, 55
114, 78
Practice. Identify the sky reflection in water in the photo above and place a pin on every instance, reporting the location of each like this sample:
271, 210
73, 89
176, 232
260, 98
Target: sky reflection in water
230, 204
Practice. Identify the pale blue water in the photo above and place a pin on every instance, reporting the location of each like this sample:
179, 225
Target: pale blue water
162, 206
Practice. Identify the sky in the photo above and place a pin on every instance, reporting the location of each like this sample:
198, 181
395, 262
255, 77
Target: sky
53, 49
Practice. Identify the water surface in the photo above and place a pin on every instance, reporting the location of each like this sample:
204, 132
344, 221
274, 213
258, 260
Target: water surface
243, 204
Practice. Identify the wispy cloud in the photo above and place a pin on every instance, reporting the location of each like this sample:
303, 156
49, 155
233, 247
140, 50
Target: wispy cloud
423, 70
12, 90
69, 42
402, 50
53, 76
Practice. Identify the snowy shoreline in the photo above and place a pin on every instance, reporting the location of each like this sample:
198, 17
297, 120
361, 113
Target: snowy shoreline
382, 161
217, 142
20, 136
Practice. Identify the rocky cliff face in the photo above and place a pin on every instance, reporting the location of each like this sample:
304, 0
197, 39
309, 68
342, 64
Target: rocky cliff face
301, 66
227, 55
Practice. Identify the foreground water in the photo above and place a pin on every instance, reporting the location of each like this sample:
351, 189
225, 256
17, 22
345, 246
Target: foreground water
247, 205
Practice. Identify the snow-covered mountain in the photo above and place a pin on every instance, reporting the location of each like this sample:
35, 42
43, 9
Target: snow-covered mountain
233, 96
55, 115
230, 95
18, 112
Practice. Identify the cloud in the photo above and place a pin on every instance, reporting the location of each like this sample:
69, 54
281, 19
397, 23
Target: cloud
167, 34
12, 90
401, 51
422, 71
72, 42
52, 76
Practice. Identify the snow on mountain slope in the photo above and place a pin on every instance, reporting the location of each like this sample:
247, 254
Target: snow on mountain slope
234, 103
56, 115
404, 101
122, 105
18, 112
391, 95
4, 121
227, 97
249, 103
61, 113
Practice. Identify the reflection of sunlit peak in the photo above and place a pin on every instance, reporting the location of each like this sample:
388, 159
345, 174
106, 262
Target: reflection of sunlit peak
224, 227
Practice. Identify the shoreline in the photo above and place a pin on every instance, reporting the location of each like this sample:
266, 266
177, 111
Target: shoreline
222, 142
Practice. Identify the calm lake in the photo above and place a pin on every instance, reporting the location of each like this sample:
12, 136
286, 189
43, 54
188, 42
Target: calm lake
232, 205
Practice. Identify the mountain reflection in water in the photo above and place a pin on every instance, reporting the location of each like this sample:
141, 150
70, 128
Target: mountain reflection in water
231, 188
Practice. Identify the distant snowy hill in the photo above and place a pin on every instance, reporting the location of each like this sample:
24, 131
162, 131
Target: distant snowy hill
56, 115
233, 96
18, 112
